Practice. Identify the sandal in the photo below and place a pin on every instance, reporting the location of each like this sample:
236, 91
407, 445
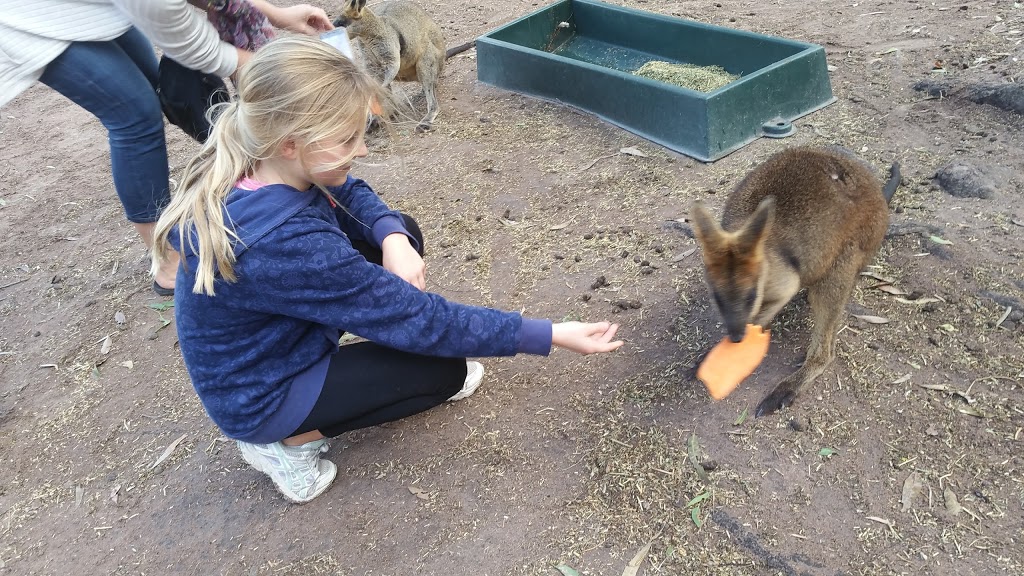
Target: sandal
161, 291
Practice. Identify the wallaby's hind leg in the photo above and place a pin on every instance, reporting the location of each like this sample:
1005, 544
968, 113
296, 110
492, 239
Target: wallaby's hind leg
428, 69
828, 299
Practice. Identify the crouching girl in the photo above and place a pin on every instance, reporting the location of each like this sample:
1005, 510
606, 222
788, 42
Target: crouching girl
282, 251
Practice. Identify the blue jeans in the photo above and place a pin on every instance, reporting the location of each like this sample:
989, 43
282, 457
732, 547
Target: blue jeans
116, 81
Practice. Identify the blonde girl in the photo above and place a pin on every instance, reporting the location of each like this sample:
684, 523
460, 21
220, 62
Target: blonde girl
282, 251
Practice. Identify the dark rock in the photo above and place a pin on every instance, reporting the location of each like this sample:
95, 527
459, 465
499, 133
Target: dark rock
964, 180
599, 282
1008, 96
936, 88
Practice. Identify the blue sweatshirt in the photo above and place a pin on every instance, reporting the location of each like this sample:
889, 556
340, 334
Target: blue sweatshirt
257, 352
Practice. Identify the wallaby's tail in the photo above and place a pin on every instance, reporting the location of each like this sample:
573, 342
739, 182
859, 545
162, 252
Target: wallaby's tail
459, 49
893, 183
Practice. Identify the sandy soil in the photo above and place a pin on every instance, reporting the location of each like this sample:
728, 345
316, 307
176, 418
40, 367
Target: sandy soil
905, 458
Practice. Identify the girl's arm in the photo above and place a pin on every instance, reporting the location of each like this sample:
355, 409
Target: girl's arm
183, 33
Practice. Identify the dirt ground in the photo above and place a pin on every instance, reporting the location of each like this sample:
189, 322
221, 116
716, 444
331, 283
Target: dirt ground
905, 458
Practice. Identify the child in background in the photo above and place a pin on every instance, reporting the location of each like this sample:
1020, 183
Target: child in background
282, 251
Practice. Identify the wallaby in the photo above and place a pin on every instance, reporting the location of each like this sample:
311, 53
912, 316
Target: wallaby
400, 42
805, 218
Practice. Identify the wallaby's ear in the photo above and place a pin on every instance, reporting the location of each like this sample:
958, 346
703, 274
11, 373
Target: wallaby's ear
360, 4
760, 222
705, 228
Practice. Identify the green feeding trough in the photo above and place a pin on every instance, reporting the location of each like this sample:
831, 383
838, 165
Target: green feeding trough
586, 54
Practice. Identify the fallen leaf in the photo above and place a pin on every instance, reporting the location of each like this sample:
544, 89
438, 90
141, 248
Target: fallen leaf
971, 411
566, 570
105, 347
561, 226
890, 289
827, 452
695, 516
948, 327
912, 486
902, 379
161, 306
1018, 222
681, 255
698, 499
741, 419
881, 521
952, 505
634, 565
79, 495
939, 387
119, 317
632, 151
878, 277
872, 319
168, 451
54, 366
693, 452
128, 364
889, 51
919, 301
939, 240
419, 492
113, 493
932, 430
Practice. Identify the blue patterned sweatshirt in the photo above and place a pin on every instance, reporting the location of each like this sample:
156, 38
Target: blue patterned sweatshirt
257, 352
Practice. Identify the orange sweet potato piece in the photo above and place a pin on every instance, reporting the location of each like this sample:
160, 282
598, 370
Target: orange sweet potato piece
729, 363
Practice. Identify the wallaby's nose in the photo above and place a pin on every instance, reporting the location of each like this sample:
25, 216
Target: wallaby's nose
341, 22
737, 334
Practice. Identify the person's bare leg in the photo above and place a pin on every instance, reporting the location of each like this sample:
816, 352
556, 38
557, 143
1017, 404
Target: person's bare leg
169, 269
304, 438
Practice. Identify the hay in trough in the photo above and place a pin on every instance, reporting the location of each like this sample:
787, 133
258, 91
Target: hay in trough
699, 78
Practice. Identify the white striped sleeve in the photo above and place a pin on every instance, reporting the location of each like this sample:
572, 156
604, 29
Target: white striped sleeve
183, 33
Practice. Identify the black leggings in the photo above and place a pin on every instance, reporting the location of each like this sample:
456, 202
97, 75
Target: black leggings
368, 384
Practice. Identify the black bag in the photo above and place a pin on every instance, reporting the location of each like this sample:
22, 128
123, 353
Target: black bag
186, 95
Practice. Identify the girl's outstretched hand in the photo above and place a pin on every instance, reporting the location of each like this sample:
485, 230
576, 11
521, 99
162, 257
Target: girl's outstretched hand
585, 338
402, 260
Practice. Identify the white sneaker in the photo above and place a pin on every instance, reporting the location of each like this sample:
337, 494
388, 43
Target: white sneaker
474, 376
297, 471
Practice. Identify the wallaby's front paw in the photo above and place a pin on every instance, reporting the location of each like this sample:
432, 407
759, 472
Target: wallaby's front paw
424, 127
781, 397
691, 374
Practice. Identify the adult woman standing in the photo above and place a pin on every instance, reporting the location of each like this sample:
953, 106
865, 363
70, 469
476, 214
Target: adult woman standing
99, 54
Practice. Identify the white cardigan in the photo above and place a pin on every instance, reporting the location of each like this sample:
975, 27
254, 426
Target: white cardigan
35, 32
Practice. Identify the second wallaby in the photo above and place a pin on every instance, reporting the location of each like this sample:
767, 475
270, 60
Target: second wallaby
400, 42
805, 218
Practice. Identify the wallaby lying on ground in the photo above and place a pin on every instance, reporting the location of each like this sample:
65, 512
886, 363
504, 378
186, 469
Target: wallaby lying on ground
805, 218
400, 42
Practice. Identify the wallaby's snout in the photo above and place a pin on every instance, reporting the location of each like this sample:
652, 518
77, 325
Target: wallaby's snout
342, 21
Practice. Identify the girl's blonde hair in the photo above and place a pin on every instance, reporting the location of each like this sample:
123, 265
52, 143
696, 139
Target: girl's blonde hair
295, 87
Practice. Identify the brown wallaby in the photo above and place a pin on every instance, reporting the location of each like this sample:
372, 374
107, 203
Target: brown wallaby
400, 42
805, 218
